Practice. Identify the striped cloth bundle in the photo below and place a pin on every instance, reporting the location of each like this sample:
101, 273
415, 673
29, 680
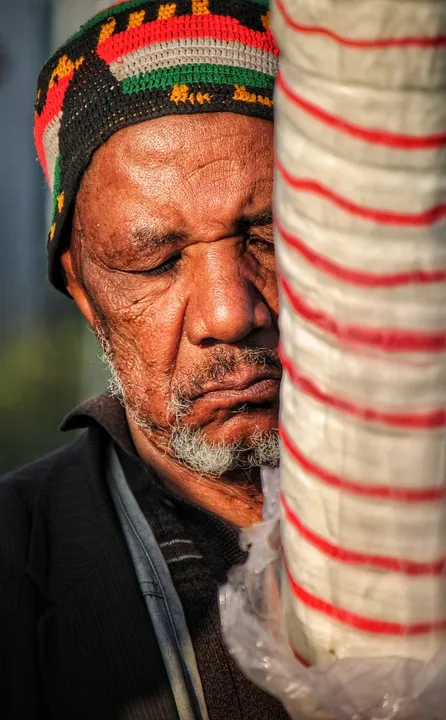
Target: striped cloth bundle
361, 243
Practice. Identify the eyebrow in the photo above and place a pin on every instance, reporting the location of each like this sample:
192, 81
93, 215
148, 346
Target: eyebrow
148, 237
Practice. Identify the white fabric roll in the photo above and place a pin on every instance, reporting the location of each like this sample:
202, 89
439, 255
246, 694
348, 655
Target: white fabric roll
360, 225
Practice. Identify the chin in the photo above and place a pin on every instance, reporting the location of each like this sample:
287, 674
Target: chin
240, 425
242, 441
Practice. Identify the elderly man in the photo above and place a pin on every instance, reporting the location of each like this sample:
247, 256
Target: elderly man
153, 125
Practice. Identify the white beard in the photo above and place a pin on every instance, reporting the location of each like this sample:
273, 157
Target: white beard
190, 447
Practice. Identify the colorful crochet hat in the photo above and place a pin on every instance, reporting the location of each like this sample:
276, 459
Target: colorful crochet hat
140, 60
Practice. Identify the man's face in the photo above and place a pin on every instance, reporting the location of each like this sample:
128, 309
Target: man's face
175, 251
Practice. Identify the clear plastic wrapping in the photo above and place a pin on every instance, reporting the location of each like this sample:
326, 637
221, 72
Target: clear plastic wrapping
381, 688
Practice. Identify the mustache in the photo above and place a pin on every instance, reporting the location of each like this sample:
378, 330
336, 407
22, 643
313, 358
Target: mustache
220, 365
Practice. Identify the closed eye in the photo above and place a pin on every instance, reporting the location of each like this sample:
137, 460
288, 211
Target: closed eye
162, 269
264, 243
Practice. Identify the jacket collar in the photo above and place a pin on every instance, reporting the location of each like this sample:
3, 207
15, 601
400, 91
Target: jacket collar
106, 412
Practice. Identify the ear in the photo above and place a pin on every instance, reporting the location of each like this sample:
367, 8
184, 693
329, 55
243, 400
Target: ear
76, 289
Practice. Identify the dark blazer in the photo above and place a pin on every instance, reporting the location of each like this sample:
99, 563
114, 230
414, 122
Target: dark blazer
75, 636
76, 641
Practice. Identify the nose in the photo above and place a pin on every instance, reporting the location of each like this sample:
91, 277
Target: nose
224, 303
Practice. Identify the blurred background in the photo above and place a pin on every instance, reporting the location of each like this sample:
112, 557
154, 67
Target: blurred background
48, 357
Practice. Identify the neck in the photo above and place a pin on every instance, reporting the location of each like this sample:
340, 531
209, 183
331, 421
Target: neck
236, 499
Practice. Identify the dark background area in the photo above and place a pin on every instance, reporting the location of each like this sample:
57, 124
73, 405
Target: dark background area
48, 358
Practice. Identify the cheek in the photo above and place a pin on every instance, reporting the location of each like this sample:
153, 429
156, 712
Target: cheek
271, 291
145, 331
266, 283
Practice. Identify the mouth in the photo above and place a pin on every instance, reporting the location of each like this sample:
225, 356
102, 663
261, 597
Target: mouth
246, 392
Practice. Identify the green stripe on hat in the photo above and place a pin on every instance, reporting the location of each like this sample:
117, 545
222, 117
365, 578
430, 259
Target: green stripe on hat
165, 78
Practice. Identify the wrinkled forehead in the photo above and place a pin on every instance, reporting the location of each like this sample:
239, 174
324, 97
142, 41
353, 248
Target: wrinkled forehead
203, 165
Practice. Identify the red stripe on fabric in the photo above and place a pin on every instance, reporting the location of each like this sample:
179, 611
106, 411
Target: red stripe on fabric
176, 28
376, 137
53, 106
38, 141
300, 659
380, 492
380, 217
357, 277
359, 622
384, 339
410, 421
407, 41
350, 557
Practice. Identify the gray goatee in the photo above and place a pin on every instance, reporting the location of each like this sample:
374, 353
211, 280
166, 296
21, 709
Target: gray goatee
189, 445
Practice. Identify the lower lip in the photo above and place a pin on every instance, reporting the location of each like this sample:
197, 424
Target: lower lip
260, 392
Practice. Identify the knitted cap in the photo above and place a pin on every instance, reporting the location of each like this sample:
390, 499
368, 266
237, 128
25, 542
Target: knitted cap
140, 60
